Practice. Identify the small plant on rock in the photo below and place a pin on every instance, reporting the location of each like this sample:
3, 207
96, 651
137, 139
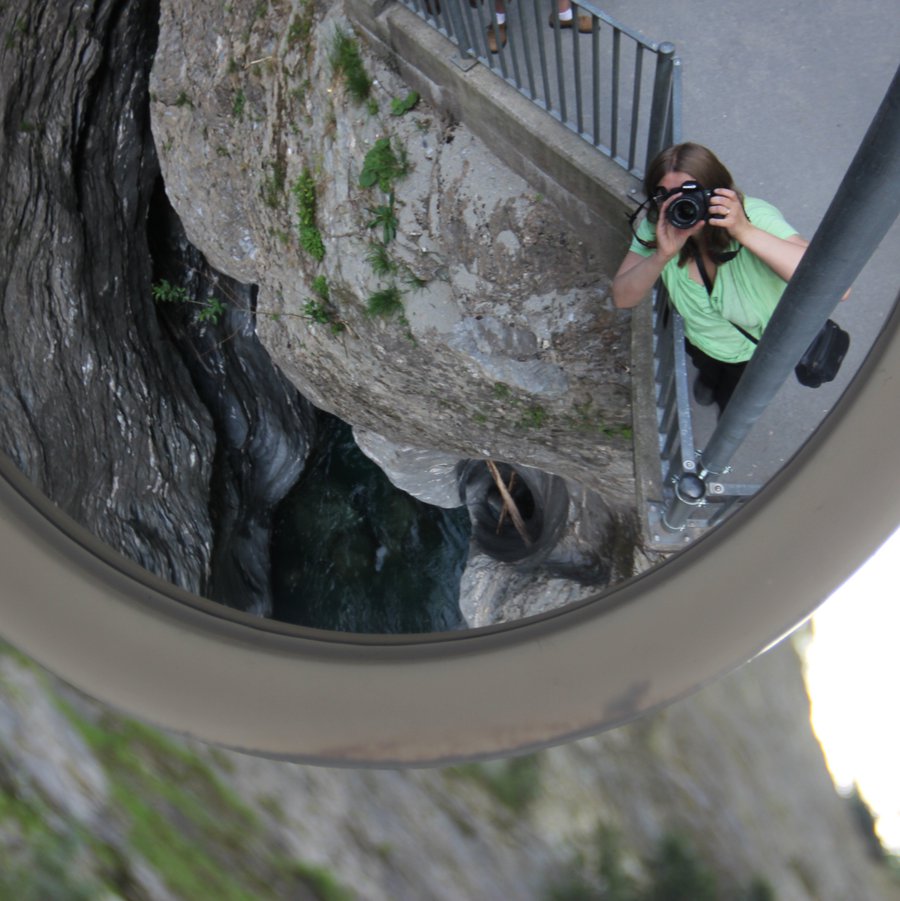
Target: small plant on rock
533, 417
316, 311
318, 308
211, 309
300, 28
402, 105
387, 302
347, 63
304, 190
165, 292
384, 217
240, 102
273, 185
515, 782
384, 165
380, 260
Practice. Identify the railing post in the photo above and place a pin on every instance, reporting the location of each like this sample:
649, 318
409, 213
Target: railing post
690, 492
661, 104
864, 208
460, 33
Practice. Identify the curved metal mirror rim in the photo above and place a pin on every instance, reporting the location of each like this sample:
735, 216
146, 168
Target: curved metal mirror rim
143, 646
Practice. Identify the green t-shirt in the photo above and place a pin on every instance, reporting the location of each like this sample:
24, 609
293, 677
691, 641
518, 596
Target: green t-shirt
746, 290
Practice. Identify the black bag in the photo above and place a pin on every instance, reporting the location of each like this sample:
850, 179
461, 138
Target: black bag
823, 357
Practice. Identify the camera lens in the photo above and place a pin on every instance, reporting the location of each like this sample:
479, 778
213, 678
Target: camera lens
685, 212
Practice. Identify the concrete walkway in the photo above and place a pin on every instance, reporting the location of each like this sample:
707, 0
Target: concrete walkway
783, 93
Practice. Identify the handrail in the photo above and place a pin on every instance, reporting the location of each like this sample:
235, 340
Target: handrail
595, 83
678, 454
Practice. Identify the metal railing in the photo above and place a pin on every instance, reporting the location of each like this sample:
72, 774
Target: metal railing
865, 206
599, 83
678, 454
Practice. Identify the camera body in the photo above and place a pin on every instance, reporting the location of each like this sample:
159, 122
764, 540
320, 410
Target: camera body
691, 207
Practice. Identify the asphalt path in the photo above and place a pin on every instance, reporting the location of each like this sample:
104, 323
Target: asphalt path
783, 93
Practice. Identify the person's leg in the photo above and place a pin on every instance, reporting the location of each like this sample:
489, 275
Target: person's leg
567, 17
716, 381
729, 377
496, 33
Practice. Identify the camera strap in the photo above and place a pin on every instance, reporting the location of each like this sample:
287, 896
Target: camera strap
707, 283
633, 218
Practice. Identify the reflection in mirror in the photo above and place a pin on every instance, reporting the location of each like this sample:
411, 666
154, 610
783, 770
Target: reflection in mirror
351, 552
258, 221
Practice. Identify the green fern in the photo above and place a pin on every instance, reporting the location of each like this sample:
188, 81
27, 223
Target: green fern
380, 260
384, 165
304, 190
385, 218
320, 286
347, 62
212, 310
165, 292
386, 302
311, 242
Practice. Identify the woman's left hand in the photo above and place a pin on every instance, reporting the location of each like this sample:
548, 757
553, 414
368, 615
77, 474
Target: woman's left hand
727, 211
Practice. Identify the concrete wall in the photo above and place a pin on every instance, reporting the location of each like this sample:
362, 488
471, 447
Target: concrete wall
594, 194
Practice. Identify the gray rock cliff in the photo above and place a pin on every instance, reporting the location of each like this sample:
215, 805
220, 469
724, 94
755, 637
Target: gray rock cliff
727, 789
503, 343
495, 336
176, 469
89, 386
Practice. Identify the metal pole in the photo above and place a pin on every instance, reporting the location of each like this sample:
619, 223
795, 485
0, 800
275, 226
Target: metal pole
660, 105
460, 34
864, 208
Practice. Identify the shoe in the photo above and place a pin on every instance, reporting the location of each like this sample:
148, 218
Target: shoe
585, 23
704, 395
493, 46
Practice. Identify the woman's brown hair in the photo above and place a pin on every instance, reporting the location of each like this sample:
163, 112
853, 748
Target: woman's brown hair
706, 169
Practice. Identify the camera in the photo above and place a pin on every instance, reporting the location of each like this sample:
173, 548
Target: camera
691, 207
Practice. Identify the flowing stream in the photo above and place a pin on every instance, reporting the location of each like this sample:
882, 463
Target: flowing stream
352, 553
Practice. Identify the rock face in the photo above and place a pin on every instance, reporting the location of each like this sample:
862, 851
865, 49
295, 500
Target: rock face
505, 346
729, 783
89, 385
263, 428
443, 309
496, 337
181, 481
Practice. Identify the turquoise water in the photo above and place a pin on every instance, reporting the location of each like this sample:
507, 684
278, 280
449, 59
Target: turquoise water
352, 553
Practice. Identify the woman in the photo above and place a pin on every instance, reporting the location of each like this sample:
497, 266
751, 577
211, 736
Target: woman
744, 247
